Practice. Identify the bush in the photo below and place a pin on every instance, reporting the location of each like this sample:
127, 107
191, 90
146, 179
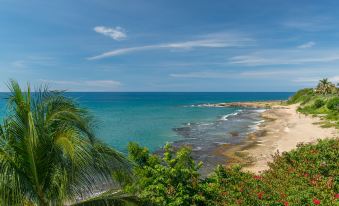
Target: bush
318, 103
307, 173
301, 96
326, 106
300, 177
333, 104
303, 176
169, 180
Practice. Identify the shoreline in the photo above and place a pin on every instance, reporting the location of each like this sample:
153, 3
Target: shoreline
282, 130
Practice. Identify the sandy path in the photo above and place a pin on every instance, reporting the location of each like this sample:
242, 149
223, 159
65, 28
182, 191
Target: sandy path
285, 128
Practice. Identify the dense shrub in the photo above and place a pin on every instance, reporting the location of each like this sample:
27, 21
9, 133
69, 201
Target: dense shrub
305, 176
301, 96
307, 173
171, 180
318, 103
231, 186
333, 104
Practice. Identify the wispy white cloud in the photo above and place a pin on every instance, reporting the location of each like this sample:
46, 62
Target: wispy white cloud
334, 79
220, 40
31, 61
84, 85
286, 57
203, 75
116, 33
306, 45
307, 79
234, 74
311, 24
272, 73
296, 74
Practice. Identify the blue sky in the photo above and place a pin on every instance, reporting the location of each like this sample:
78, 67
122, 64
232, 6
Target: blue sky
124, 45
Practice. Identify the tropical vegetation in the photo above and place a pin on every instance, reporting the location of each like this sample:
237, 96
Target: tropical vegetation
308, 175
323, 101
49, 155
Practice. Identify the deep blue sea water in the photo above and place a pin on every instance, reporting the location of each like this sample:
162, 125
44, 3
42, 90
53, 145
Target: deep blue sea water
152, 119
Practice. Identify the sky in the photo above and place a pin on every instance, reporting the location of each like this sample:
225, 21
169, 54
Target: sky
173, 45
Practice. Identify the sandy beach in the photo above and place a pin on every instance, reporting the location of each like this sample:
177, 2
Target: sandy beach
283, 129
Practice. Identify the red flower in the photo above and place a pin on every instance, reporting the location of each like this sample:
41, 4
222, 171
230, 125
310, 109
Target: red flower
336, 196
316, 201
285, 203
257, 177
260, 195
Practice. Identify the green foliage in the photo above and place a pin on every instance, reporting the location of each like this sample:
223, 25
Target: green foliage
48, 152
299, 177
169, 180
301, 96
333, 104
307, 173
231, 186
318, 103
324, 102
325, 87
110, 197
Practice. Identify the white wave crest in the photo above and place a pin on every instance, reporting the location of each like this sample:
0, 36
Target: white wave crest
225, 117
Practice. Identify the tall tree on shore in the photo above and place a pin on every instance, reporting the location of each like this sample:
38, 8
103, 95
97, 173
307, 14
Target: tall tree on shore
49, 154
325, 87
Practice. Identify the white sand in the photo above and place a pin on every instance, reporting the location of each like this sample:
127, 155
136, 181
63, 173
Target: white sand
287, 129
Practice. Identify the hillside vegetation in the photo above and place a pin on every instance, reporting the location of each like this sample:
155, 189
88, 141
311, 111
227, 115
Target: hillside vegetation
323, 101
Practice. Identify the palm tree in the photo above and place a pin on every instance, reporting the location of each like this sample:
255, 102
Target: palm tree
49, 154
325, 87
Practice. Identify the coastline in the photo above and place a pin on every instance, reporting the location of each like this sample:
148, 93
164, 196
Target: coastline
282, 130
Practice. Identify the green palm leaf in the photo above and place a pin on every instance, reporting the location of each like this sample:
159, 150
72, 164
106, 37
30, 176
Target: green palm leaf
49, 154
110, 198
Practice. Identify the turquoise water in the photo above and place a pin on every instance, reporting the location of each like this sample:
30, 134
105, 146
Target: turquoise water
152, 119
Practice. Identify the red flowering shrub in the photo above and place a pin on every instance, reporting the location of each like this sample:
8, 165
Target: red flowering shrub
316, 201
294, 178
260, 195
307, 175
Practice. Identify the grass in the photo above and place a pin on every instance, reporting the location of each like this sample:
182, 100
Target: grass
324, 106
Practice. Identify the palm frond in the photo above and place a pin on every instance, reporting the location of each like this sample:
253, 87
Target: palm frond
108, 198
49, 154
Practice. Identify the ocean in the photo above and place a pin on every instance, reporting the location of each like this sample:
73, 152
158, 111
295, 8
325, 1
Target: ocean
154, 118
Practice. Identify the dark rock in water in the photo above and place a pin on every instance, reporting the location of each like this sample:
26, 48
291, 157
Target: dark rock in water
234, 133
204, 138
254, 104
183, 131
